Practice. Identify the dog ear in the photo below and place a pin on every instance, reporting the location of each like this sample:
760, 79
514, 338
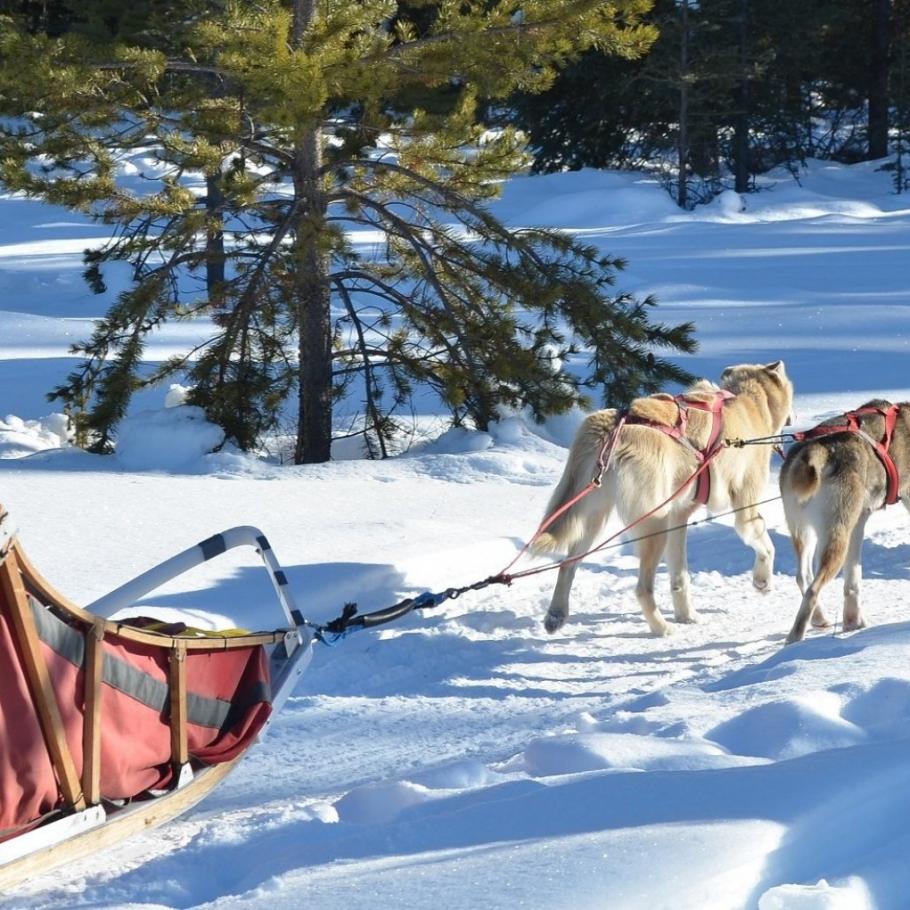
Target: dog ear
777, 367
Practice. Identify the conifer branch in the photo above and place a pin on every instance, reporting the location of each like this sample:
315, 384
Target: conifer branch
425, 254
369, 383
518, 28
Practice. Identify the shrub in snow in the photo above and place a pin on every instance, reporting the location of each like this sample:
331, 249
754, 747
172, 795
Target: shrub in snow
172, 438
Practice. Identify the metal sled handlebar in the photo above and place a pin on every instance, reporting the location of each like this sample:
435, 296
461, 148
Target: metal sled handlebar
287, 662
244, 536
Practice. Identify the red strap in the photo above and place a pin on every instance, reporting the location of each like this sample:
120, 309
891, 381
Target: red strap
679, 432
716, 407
881, 447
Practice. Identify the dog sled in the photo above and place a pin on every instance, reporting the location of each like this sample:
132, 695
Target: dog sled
111, 726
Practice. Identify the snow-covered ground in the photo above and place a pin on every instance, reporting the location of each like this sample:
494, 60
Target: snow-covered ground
463, 758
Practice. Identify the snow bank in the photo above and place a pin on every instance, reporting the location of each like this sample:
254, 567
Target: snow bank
854, 895
584, 199
459, 441
786, 729
176, 438
376, 803
19, 437
572, 753
171, 439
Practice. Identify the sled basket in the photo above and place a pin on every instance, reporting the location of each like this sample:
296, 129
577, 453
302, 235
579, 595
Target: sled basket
108, 727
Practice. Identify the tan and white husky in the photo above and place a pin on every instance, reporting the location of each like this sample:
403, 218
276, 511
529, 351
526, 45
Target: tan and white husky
648, 465
830, 485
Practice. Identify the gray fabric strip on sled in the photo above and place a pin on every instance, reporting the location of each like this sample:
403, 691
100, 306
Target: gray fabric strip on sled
201, 710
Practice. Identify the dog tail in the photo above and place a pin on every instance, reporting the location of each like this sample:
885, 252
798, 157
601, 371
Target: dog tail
586, 517
804, 476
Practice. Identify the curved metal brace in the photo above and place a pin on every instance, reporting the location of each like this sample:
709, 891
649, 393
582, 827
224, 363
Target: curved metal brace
288, 659
243, 536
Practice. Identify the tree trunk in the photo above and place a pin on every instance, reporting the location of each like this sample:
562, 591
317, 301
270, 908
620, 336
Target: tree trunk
741, 125
901, 180
214, 240
682, 196
878, 81
314, 424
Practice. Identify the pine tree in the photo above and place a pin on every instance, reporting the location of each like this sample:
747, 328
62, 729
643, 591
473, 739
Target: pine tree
900, 74
785, 110
879, 77
729, 88
284, 127
604, 110
669, 105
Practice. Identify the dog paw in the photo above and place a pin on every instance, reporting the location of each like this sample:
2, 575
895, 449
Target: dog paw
554, 621
854, 625
690, 617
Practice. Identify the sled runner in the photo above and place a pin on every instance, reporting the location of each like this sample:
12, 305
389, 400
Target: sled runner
109, 727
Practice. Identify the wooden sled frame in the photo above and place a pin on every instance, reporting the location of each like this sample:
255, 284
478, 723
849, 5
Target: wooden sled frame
89, 823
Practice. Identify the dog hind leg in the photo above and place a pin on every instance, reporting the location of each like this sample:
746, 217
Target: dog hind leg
592, 513
804, 542
853, 573
677, 563
806, 573
802, 521
650, 551
834, 552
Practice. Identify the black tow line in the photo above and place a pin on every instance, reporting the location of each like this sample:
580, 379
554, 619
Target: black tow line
351, 621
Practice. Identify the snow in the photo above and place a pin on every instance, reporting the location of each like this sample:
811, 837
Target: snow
168, 439
851, 896
20, 437
463, 757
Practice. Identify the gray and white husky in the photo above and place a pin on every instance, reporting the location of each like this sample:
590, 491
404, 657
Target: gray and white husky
648, 465
830, 485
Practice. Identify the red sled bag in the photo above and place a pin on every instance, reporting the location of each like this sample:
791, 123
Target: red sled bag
227, 704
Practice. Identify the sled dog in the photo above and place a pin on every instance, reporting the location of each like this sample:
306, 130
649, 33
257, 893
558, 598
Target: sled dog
831, 482
648, 465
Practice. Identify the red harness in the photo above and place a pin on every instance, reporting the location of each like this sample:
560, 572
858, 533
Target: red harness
854, 425
679, 432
